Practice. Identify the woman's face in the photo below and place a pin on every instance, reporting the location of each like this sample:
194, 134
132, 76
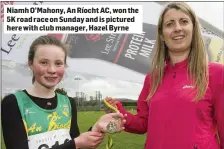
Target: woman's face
48, 65
177, 30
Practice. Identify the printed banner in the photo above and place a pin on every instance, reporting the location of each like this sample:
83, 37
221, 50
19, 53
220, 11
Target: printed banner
127, 50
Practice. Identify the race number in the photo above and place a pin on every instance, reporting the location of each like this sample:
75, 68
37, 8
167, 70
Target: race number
49, 139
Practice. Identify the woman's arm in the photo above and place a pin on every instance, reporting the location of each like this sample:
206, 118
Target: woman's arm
138, 123
217, 84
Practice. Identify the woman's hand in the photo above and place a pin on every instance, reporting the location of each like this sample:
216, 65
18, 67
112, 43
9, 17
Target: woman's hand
112, 102
115, 121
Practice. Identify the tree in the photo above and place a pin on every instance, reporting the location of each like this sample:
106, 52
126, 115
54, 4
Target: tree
61, 91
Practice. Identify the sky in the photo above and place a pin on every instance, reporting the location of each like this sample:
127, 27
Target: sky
19, 77
116, 85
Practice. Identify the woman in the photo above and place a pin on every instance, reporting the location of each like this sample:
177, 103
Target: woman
181, 105
38, 117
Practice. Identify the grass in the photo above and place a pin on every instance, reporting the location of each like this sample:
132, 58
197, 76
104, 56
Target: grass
121, 140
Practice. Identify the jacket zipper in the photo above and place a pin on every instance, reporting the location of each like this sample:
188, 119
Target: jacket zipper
195, 147
174, 75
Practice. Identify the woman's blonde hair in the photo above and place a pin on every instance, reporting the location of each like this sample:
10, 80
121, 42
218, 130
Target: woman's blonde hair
197, 61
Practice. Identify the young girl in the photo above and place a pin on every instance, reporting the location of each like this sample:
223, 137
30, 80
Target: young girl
38, 117
181, 105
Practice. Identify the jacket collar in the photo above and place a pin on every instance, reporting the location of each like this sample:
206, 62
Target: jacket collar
182, 64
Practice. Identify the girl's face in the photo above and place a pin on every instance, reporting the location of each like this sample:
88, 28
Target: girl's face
48, 65
177, 30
